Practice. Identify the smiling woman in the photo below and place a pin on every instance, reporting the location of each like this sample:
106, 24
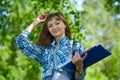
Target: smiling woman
54, 25
56, 28
53, 48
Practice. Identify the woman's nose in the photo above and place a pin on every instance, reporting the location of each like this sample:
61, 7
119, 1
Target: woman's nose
54, 27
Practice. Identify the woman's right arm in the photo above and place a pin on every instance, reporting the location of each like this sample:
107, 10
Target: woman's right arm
26, 46
40, 19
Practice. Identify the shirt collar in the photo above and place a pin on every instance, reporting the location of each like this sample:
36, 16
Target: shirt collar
61, 42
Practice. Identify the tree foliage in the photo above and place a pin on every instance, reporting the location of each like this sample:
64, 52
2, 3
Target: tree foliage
15, 16
113, 6
92, 26
102, 28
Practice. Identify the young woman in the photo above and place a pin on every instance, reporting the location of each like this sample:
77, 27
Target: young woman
53, 48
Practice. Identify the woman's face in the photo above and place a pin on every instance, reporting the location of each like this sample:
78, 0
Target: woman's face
56, 27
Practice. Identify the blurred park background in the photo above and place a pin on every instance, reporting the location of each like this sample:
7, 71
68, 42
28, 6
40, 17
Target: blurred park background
91, 22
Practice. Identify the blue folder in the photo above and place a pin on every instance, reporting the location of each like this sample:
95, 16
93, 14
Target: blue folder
94, 55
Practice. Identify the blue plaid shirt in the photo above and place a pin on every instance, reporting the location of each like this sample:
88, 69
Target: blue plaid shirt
51, 57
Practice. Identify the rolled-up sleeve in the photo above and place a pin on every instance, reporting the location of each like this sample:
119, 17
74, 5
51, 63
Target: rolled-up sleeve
27, 47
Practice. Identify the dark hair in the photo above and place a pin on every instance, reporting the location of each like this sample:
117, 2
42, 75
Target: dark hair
45, 38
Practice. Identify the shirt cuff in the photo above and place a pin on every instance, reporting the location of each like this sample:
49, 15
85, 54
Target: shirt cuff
25, 33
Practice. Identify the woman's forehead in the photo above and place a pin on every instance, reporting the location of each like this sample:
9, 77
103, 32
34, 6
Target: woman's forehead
55, 18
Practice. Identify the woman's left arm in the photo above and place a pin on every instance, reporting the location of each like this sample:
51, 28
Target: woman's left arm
78, 61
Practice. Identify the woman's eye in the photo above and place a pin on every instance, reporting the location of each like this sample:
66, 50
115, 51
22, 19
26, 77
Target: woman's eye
49, 26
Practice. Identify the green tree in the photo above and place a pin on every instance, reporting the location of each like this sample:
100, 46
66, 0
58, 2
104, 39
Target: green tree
113, 6
15, 16
97, 22
102, 28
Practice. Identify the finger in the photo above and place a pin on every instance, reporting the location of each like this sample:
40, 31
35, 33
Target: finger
78, 56
42, 16
76, 59
45, 15
73, 59
83, 58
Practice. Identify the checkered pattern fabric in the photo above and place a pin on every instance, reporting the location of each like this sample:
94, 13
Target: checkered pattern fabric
51, 57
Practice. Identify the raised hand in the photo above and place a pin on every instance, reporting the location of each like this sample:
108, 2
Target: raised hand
41, 18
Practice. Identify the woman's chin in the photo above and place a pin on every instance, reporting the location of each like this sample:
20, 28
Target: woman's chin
56, 35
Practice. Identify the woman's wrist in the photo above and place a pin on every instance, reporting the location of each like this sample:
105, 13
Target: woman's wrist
79, 73
79, 66
79, 70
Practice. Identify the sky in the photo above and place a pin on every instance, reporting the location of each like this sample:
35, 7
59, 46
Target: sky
78, 4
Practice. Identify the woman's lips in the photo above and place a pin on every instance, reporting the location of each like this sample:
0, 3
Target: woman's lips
55, 31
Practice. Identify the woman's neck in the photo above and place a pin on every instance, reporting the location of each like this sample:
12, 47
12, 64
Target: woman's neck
59, 38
